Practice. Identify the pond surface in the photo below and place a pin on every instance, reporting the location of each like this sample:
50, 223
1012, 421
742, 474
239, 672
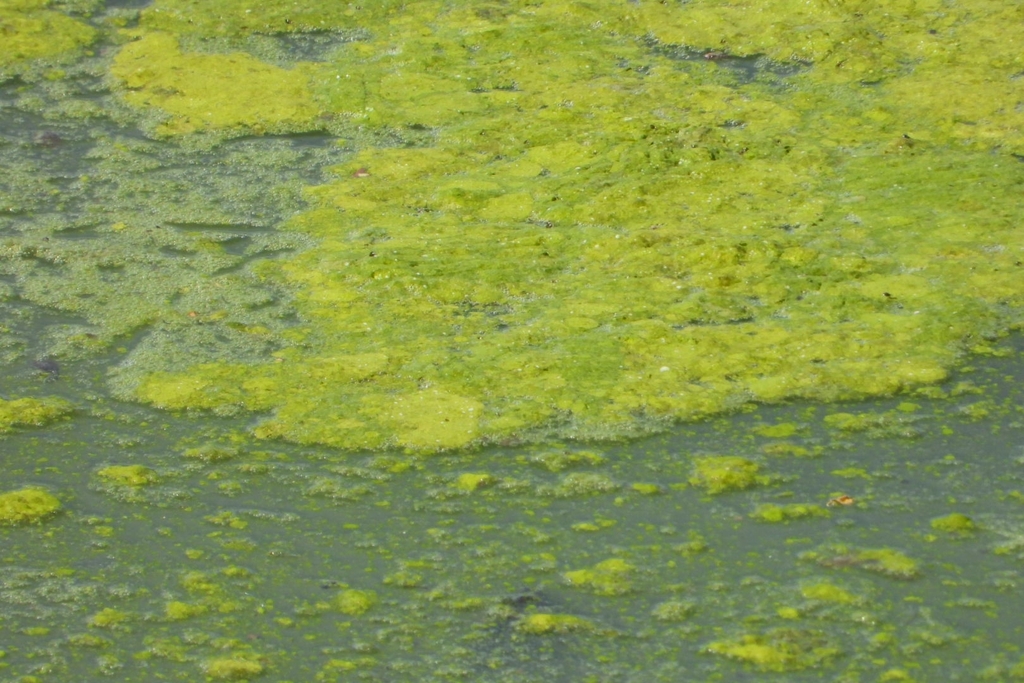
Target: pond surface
514, 341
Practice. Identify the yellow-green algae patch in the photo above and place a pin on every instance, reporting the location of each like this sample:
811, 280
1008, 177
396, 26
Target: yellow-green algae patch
31, 31
34, 412
610, 577
719, 474
202, 92
595, 248
884, 561
784, 513
175, 610
956, 524
239, 17
128, 475
110, 618
471, 481
778, 649
545, 624
232, 668
355, 602
827, 592
27, 506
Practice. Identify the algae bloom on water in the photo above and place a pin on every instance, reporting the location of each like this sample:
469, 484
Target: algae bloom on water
26, 506
582, 248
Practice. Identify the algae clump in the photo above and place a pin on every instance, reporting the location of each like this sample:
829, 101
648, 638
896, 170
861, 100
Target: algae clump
232, 668
355, 602
956, 524
128, 475
610, 577
27, 506
470, 481
34, 412
544, 624
31, 31
176, 610
108, 617
719, 474
827, 592
778, 649
884, 561
785, 513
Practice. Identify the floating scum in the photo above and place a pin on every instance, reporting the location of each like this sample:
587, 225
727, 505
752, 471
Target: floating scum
610, 231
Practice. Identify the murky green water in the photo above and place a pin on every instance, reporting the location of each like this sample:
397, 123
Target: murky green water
644, 342
242, 550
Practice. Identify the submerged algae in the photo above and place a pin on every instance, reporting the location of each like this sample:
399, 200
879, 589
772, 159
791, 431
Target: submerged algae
596, 250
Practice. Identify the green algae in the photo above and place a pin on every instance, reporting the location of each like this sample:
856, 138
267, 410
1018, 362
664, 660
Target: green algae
475, 541
884, 561
236, 17
544, 624
201, 92
355, 602
555, 339
470, 481
577, 484
211, 453
109, 618
673, 611
128, 475
31, 412
828, 592
778, 649
647, 489
232, 668
32, 31
721, 474
27, 506
176, 610
609, 577
956, 524
784, 513
892, 423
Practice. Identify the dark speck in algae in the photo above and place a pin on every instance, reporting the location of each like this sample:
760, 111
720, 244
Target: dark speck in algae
49, 366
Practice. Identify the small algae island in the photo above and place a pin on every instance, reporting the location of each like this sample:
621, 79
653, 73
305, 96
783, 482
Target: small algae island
511, 341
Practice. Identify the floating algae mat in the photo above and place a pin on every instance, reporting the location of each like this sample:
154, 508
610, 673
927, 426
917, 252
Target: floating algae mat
511, 341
